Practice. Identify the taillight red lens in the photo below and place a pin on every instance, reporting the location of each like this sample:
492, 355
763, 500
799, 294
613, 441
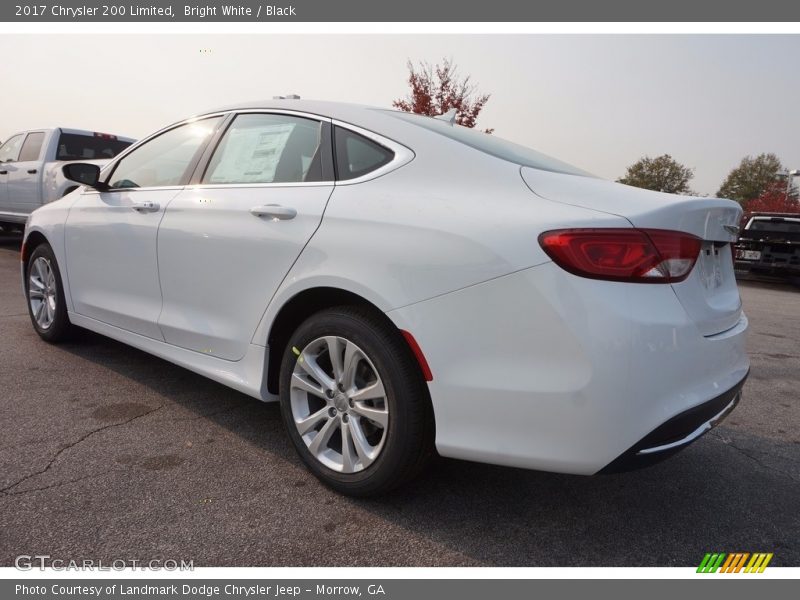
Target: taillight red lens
634, 255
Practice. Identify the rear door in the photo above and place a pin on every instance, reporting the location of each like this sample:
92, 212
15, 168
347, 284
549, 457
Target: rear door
24, 175
226, 243
8, 156
111, 235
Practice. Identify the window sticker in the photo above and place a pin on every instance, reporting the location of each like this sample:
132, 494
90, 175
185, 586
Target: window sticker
251, 155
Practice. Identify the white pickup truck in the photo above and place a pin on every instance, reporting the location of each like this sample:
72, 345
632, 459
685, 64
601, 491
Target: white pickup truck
31, 167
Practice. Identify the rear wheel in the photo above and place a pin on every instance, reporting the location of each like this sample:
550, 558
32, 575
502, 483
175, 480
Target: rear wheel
46, 305
354, 402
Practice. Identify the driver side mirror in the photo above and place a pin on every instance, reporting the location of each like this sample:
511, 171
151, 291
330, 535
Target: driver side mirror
84, 173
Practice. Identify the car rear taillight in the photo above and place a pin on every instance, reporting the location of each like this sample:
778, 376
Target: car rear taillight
633, 255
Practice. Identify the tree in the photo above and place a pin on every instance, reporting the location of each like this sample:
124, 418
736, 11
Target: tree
752, 178
437, 89
775, 199
662, 174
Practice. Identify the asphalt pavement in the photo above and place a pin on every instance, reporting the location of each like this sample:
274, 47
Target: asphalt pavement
109, 453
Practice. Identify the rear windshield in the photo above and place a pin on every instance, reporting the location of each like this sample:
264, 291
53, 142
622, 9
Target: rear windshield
72, 146
493, 145
775, 225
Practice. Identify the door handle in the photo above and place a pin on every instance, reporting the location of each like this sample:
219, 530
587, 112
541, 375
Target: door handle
274, 212
3, 172
146, 206
31, 171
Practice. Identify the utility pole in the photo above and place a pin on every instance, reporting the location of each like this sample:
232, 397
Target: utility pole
789, 175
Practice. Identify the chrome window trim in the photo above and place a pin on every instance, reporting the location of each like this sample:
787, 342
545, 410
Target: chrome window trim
288, 184
278, 111
402, 154
90, 190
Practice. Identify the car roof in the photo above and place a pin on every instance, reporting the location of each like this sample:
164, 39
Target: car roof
422, 138
342, 111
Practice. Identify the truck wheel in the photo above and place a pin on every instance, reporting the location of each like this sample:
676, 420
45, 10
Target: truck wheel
45, 292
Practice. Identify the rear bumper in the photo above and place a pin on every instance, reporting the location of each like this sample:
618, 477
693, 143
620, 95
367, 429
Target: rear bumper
544, 370
678, 432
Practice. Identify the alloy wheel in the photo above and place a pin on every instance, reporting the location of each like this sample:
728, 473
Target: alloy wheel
339, 404
42, 292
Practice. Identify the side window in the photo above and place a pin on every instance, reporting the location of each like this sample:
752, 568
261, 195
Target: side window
10, 150
31, 147
264, 148
165, 159
357, 155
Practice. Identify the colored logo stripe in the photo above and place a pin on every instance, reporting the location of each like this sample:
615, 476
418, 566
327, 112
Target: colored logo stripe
734, 562
711, 563
758, 563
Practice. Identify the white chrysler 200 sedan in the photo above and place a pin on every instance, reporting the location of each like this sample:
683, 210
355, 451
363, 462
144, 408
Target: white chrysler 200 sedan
403, 285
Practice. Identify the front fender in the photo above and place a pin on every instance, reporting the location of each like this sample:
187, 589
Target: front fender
49, 222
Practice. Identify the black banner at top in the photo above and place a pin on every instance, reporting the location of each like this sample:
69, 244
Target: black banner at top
406, 11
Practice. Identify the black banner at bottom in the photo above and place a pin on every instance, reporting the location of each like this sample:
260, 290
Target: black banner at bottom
387, 589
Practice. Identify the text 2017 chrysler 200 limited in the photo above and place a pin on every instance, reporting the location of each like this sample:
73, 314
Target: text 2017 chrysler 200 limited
403, 284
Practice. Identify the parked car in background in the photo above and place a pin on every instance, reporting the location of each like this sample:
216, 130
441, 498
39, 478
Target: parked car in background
400, 282
769, 246
31, 161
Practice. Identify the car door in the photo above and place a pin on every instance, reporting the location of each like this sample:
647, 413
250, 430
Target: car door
110, 235
8, 155
25, 177
226, 243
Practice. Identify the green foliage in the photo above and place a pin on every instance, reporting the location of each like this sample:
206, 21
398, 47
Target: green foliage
752, 178
661, 174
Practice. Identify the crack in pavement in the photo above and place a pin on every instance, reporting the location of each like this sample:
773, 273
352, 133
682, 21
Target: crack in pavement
729, 442
5, 490
59, 483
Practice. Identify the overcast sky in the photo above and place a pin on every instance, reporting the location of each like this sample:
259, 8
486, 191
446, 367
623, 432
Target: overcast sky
597, 101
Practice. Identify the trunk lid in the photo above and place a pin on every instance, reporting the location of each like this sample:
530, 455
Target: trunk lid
709, 294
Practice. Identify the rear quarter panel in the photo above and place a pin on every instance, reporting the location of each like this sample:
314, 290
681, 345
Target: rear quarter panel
451, 218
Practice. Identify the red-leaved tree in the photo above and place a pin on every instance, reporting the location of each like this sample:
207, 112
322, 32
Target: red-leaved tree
775, 199
438, 88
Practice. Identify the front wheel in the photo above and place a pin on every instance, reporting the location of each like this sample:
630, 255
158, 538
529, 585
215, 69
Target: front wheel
46, 304
354, 402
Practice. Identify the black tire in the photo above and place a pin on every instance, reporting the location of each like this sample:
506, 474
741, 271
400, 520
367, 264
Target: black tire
409, 436
59, 329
